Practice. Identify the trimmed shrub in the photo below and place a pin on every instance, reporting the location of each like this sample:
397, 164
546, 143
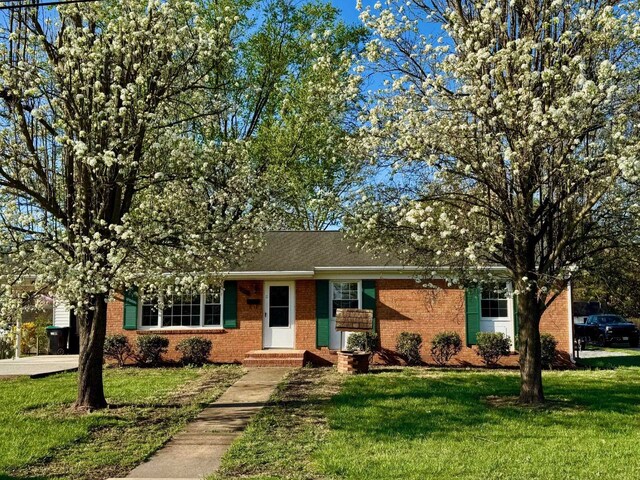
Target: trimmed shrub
194, 350
362, 342
549, 351
408, 346
445, 346
150, 349
491, 347
118, 348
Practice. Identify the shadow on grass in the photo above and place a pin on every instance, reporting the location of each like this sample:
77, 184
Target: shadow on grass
387, 406
610, 363
9, 477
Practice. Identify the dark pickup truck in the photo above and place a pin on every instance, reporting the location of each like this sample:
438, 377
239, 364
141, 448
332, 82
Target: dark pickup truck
606, 329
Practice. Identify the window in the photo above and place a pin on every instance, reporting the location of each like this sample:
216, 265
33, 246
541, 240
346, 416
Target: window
213, 309
344, 295
187, 310
494, 304
150, 313
182, 311
278, 306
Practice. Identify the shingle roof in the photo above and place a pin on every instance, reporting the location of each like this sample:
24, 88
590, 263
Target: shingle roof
304, 251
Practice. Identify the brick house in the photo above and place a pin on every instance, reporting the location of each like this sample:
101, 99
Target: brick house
279, 308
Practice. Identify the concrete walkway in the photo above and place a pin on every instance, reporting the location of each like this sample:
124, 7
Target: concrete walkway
38, 366
196, 451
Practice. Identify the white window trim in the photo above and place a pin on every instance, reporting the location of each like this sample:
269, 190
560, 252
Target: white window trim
508, 298
332, 319
342, 280
202, 326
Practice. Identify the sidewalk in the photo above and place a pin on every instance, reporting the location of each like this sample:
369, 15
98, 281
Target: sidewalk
196, 451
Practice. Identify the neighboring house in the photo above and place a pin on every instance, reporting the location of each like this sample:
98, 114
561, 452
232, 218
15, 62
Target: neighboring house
284, 301
63, 317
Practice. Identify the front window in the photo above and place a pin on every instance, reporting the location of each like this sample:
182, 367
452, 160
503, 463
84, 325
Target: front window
344, 295
494, 304
186, 310
150, 314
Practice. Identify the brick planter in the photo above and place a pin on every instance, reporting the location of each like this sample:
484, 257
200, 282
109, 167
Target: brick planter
352, 362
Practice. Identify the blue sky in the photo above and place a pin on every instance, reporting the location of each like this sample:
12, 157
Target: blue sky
348, 7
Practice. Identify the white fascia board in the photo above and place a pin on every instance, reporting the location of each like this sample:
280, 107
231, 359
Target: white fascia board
401, 268
368, 269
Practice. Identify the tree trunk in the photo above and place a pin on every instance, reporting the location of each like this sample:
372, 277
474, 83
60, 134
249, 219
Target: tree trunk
529, 313
92, 329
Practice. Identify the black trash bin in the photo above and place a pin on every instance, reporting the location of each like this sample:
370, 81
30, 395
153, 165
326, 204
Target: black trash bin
57, 339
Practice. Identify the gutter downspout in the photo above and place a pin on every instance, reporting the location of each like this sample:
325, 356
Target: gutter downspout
570, 314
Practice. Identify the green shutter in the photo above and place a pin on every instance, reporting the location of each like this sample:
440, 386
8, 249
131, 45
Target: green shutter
472, 312
130, 317
230, 304
322, 313
516, 322
369, 298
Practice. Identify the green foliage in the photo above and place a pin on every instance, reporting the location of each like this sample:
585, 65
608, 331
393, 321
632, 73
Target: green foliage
363, 342
491, 347
118, 348
194, 350
289, 83
445, 346
549, 351
408, 346
34, 336
150, 349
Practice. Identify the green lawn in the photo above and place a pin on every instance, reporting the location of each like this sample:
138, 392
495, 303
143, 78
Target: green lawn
42, 438
419, 423
631, 359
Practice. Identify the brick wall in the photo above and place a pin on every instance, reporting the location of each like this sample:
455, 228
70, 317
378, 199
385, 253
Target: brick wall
229, 345
402, 305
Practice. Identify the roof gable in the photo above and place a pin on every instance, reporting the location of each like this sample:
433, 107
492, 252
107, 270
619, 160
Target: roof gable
291, 251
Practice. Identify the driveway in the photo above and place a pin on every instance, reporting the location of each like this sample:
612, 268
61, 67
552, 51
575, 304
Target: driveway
39, 366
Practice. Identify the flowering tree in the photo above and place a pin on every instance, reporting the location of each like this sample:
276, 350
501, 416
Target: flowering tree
504, 140
106, 177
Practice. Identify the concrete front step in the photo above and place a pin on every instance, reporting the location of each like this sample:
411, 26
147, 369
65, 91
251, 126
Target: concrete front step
273, 362
275, 358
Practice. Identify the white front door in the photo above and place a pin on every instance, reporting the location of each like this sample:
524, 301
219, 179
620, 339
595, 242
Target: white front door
279, 315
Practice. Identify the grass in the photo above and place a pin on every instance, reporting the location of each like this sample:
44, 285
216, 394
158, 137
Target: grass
281, 440
631, 358
424, 423
42, 438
